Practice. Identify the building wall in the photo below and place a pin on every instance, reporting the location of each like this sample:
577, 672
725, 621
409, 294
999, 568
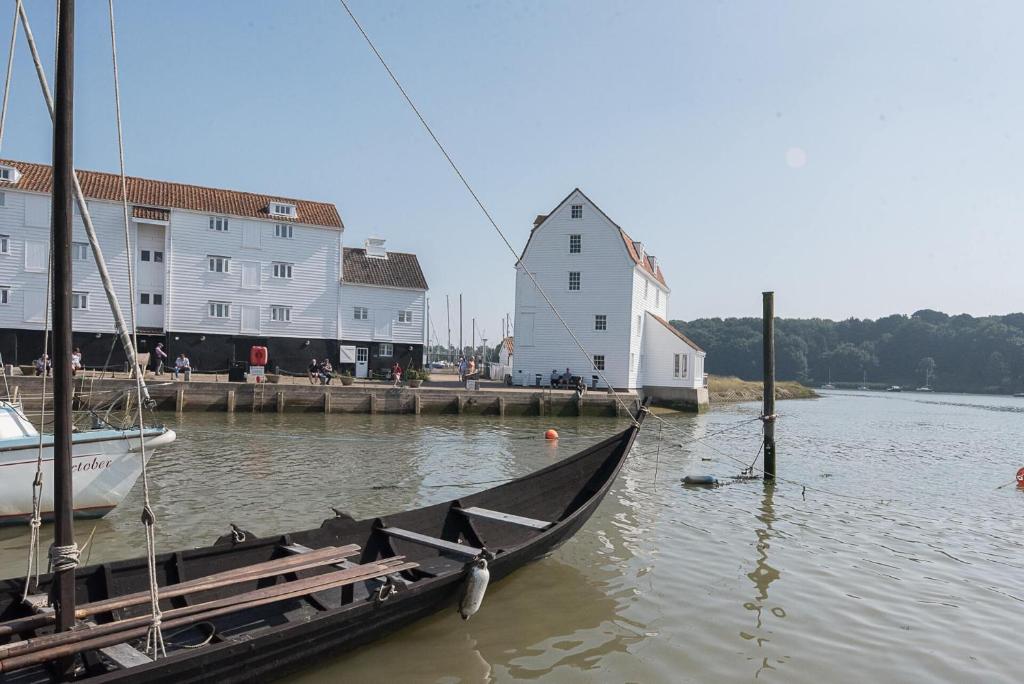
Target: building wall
659, 348
605, 285
648, 295
313, 291
383, 304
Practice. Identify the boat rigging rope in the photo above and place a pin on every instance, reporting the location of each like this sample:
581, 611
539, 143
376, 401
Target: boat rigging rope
487, 214
154, 638
10, 67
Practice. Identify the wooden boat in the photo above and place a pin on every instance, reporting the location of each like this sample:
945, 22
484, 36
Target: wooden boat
511, 525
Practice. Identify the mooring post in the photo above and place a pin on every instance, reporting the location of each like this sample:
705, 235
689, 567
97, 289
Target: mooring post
280, 402
768, 412
501, 406
327, 401
231, 401
179, 401
416, 405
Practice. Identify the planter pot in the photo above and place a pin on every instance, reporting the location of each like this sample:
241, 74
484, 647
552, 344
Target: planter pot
346, 380
415, 383
28, 370
273, 378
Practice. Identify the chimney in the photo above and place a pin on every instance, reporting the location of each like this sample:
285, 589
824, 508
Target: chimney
539, 220
375, 248
639, 247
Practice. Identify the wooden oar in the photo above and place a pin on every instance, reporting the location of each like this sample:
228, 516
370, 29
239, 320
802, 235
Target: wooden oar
308, 584
278, 566
258, 598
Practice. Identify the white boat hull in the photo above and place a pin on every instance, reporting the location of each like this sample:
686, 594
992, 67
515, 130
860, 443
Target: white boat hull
106, 464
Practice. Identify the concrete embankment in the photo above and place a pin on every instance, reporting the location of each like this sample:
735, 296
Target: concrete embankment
358, 398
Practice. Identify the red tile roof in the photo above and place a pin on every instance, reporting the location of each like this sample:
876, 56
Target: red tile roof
154, 193
151, 213
509, 344
398, 270
675, 331
646, 264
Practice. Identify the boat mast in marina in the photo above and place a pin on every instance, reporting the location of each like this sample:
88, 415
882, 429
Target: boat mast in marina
64, 553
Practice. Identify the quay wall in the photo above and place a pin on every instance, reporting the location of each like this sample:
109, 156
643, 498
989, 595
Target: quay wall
270, 397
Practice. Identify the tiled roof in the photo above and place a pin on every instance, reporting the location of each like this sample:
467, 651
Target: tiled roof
153, 193
509, 344
645, 264
398, 270
675, 331
151, 213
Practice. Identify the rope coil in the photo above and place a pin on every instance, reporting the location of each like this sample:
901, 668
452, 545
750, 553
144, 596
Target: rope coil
63, 558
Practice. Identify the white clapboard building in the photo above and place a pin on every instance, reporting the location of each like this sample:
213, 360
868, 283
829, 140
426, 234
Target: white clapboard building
613, 296
217, 272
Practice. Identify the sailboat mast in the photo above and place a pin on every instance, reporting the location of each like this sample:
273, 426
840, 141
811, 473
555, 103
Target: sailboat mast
63, 594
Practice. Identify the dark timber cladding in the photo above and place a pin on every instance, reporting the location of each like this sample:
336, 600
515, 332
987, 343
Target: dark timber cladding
63, 589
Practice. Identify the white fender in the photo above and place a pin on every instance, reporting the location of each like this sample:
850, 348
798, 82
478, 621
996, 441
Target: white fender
474, 589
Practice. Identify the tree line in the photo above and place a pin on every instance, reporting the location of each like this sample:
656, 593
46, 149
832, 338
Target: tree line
950, 353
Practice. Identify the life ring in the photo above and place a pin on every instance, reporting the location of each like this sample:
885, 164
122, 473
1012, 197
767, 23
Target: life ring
1020, 477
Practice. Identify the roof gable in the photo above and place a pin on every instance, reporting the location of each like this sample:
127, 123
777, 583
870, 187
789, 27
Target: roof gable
397, 270
156, 195
675, 331
653, 270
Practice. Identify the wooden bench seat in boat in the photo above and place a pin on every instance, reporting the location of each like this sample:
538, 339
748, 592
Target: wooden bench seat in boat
433, 542
369, 585
477, 512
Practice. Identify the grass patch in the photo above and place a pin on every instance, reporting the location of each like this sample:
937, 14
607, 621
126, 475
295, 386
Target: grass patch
730, 388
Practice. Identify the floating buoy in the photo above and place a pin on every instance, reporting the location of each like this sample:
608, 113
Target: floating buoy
550, 434
1020, 477
475, 587
706, 480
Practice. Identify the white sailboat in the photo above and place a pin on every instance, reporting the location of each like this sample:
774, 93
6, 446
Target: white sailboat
106, 464
828, 385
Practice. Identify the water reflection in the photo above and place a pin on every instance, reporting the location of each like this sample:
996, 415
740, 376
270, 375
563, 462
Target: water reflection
762, 576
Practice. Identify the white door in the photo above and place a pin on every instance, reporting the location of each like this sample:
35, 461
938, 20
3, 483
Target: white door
362, 361
150, 282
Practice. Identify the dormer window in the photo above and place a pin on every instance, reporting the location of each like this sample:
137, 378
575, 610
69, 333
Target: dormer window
281, 209
9, 174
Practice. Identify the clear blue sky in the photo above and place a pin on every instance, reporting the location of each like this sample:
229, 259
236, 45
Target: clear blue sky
859, 158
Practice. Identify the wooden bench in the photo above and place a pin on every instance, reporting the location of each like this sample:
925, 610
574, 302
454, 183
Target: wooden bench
345, 564
477, 512
433, 542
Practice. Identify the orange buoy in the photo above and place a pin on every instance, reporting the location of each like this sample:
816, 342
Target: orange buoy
551, 434
1020, 477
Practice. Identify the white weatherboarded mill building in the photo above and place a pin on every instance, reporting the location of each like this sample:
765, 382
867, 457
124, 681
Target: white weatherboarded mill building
613, 296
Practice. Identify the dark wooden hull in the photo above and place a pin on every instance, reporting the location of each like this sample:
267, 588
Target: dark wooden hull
263, 643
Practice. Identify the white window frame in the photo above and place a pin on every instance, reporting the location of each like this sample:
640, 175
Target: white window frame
143, 298
387, 347
362, 354
679, 362
80, 251
657, 296
600, 321
219, 224
283, 270
646, 284
598, 362
218, 264
284, 231
576, 211
639, 324
5, 295
217, 309
405, 316
280, 314
281, 209
156, 296
5, 244
576, 243
360, 313
80, 300
9, 174
578, 279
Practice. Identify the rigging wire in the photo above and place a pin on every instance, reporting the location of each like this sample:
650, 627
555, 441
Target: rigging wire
10, 67
479, 203
154, 638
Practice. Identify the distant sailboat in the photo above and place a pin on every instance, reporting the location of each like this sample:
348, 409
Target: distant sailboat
829, 385
864, 381
927, 382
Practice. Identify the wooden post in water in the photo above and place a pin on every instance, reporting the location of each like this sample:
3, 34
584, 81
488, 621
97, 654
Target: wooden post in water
768, 412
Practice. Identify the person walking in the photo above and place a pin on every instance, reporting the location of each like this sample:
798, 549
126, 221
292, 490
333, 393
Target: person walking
462, 368
161, 357
396, 374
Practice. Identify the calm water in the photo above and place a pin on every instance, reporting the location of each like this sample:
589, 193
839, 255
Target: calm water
915, 574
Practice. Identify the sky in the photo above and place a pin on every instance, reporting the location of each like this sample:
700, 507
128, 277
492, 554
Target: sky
859, 159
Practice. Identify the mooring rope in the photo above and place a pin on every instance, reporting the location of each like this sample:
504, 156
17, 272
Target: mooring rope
10, 67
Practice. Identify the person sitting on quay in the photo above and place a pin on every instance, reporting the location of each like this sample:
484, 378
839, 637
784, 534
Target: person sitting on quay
43, 365
396, 374
555, 378
184, 366
567, 378
313, 372
326, 372
76, 361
